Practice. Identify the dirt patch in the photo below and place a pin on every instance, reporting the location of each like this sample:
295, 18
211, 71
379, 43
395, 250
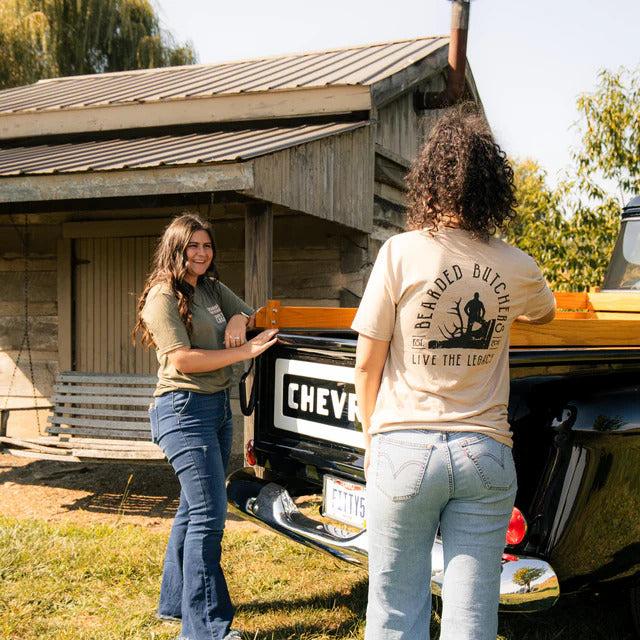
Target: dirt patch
139, 494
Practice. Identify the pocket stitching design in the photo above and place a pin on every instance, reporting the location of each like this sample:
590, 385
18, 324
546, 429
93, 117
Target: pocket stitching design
483, 476
422, 466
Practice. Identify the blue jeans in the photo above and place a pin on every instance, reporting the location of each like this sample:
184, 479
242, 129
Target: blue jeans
419, 480
194, 431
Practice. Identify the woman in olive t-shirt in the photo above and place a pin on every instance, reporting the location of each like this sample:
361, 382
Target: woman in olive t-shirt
198, 328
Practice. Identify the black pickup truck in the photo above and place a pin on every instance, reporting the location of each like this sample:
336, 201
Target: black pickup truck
575, 416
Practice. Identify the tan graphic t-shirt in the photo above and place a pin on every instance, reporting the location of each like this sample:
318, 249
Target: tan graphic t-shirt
212, 306
446, 304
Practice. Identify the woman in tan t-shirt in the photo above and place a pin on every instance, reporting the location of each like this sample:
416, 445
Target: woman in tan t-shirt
432, 386
198, 328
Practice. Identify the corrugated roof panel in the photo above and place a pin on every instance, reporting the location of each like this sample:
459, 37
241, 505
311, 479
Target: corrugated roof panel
168, 88
46, 95
193, 148
350, 69
390, 64
284, 75
354, 65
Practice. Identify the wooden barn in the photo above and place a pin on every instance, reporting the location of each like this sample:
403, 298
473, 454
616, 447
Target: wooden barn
297, 160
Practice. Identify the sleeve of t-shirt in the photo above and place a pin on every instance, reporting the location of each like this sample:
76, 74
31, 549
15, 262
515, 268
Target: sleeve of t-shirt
540, 300
162, 318
376, 315
230, 303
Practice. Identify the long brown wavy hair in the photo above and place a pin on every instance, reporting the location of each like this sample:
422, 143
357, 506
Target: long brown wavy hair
170, 267
461, 170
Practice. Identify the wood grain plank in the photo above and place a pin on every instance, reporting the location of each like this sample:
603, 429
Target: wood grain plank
99, 400
103, 433
122, 392
304, 317
569, 332
571, 300
78, 377
623, 301
118, 455
27, 453
564, 331
122, 425
107, 412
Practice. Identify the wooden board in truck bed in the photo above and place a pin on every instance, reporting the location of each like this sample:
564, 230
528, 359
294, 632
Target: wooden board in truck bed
599, 319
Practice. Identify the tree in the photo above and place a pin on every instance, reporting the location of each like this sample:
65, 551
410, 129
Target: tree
540, 227
49, 38
606, 171
571, 230
525, 576
610, 130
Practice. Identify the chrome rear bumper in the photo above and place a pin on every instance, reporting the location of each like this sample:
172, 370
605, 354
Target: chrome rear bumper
270, 505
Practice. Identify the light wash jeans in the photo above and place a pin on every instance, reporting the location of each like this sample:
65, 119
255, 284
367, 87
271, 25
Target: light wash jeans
466, 484
194, 431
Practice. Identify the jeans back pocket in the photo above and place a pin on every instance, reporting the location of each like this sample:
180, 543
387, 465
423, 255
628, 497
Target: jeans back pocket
492, 460
400, 466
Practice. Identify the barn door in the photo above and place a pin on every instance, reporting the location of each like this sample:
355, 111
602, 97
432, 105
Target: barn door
109, 275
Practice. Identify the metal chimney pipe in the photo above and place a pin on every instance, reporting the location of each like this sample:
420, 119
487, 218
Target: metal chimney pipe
457, 62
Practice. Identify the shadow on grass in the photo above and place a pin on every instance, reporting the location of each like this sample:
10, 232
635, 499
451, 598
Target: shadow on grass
355, 600
335, 614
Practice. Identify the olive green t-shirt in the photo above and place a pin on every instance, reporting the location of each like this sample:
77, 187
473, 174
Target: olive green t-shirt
212, 306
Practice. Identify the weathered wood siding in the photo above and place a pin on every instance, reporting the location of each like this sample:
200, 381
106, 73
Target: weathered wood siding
314, 262
330, 178
400, 128
15, 381
400, 132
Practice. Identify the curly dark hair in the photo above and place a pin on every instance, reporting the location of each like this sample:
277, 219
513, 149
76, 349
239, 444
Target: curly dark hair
170, 267
462, 172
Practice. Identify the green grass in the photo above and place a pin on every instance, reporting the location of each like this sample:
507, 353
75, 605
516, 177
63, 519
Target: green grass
98, 582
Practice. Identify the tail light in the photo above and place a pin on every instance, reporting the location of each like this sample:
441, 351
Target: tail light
517, 529
250, 453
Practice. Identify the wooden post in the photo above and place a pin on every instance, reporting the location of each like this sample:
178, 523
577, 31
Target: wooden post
65, 305
258, 264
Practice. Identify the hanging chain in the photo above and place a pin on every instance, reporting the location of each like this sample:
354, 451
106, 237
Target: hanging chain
26, 340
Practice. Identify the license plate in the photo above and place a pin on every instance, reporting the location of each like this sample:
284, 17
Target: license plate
344, 501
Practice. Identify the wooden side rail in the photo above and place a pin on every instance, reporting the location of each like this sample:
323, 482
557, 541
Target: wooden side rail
595, 302
583, 320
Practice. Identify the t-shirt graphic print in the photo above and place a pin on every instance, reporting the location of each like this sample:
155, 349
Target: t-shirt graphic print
451, 317
446, 303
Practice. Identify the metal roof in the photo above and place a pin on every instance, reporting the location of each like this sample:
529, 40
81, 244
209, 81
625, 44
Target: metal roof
362, 65
167, 150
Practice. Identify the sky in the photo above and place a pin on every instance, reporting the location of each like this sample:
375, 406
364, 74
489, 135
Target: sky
530, 59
